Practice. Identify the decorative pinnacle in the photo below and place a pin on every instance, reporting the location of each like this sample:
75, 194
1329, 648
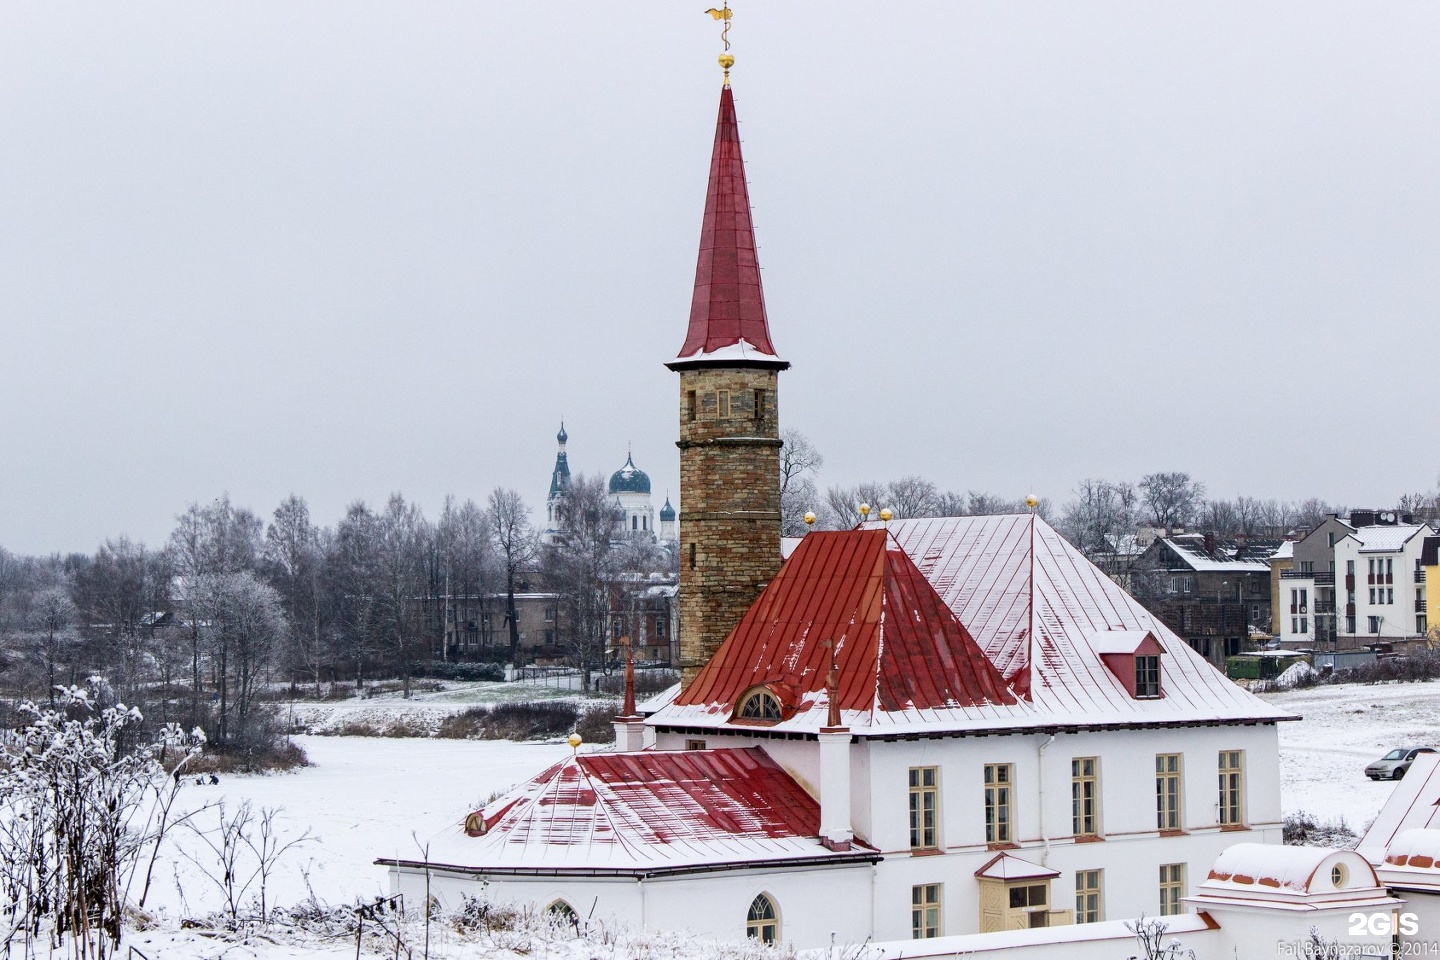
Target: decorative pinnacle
723, 15
864, 511
1032, 502
809, 518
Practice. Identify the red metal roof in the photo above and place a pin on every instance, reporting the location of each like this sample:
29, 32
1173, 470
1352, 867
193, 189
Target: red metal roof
897, 645
1035, 607
728, 305
647, 810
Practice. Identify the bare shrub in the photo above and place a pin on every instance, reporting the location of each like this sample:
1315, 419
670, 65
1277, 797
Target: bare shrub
1301, 829
597, 724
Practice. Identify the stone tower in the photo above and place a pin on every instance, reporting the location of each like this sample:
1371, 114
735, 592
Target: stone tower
729, 418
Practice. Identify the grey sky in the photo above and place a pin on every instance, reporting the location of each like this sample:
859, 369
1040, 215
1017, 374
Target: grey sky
351, 248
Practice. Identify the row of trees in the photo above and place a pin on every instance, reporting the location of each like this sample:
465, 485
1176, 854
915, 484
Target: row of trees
1099, 515
199, 630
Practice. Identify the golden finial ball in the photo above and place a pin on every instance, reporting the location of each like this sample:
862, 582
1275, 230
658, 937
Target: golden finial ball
726, 61
1032, 501
574, 740
809, 518
864, 510
885, 514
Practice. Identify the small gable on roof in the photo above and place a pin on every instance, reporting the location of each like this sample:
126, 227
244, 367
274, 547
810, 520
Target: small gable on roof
1133, 656
897, 646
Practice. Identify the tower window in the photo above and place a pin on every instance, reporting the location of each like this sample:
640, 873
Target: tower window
759, 406
690, 405
692, 556
722, 405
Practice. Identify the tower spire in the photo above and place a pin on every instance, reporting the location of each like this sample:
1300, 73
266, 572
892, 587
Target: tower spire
727, 308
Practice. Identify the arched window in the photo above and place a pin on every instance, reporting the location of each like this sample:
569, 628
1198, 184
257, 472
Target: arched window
760, 705
562, 913
763, 921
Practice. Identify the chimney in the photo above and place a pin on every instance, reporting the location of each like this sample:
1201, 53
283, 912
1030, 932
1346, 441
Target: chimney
1210, 544
835, 832
629, 726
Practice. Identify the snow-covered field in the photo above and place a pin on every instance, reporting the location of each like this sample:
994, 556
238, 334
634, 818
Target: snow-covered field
424, 710
367, 797
1323, 756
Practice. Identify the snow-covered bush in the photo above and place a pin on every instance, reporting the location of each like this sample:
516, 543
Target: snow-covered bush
82, 811
1150, 938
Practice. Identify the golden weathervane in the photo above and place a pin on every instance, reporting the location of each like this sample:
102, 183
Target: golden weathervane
723, 15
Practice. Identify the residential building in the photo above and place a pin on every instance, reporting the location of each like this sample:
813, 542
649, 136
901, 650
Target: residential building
1304, 605
1214, 593
1380, 582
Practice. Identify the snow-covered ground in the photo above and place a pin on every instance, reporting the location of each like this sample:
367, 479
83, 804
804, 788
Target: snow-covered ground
1323, 756
362, 798
424, 710
367, 797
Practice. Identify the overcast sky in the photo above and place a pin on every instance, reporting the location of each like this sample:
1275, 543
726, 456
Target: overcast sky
350, 248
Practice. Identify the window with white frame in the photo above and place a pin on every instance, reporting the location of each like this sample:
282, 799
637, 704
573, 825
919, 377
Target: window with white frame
925, 911
1172, 889
1084, 797
999, 779
1168, 791
924, 808
1232, 787
1088, 902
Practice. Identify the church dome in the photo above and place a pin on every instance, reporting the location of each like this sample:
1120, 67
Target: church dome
667, 512
630, 479
562, 436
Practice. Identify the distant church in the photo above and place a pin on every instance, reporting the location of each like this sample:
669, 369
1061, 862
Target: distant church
630, 488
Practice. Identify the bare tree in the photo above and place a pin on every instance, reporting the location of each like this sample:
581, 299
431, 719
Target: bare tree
911, 497
1101, 513
843, 503
293, 562
582, 562
799, 462
515, 542
1171, 499
403, 536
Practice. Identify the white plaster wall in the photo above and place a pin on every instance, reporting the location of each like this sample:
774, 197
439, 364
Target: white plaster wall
1282, 618
814, 904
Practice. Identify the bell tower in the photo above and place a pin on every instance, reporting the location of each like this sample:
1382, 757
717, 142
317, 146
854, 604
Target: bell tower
729, 415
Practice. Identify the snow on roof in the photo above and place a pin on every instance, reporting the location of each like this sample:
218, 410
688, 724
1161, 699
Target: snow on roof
644, 812
1227, 558
740, 351
1007, 867
1412, 805
1120, 641
1291, 878
1029, 600
1286, 551
1013, 943
1387, 539
1418, 848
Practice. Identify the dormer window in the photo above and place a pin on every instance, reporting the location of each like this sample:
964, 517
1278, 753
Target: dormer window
760, 705
1147, 677
1133, 657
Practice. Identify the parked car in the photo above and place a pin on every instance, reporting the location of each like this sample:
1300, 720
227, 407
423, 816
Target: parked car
1393, 765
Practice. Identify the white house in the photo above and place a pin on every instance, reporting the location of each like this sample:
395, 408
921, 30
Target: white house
1006, 740
1380, 585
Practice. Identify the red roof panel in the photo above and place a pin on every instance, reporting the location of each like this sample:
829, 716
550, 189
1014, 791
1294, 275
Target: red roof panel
897, 645
728, 304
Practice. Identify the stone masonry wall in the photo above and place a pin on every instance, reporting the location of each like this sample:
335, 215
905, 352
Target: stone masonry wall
730, 502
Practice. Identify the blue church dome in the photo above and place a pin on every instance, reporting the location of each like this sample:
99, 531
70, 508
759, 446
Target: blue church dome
667, 512
630, 479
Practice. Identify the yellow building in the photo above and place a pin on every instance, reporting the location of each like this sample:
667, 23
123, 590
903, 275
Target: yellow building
1430, 573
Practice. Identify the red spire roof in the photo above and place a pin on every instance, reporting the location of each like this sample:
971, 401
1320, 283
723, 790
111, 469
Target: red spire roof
728, 306
897, 646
